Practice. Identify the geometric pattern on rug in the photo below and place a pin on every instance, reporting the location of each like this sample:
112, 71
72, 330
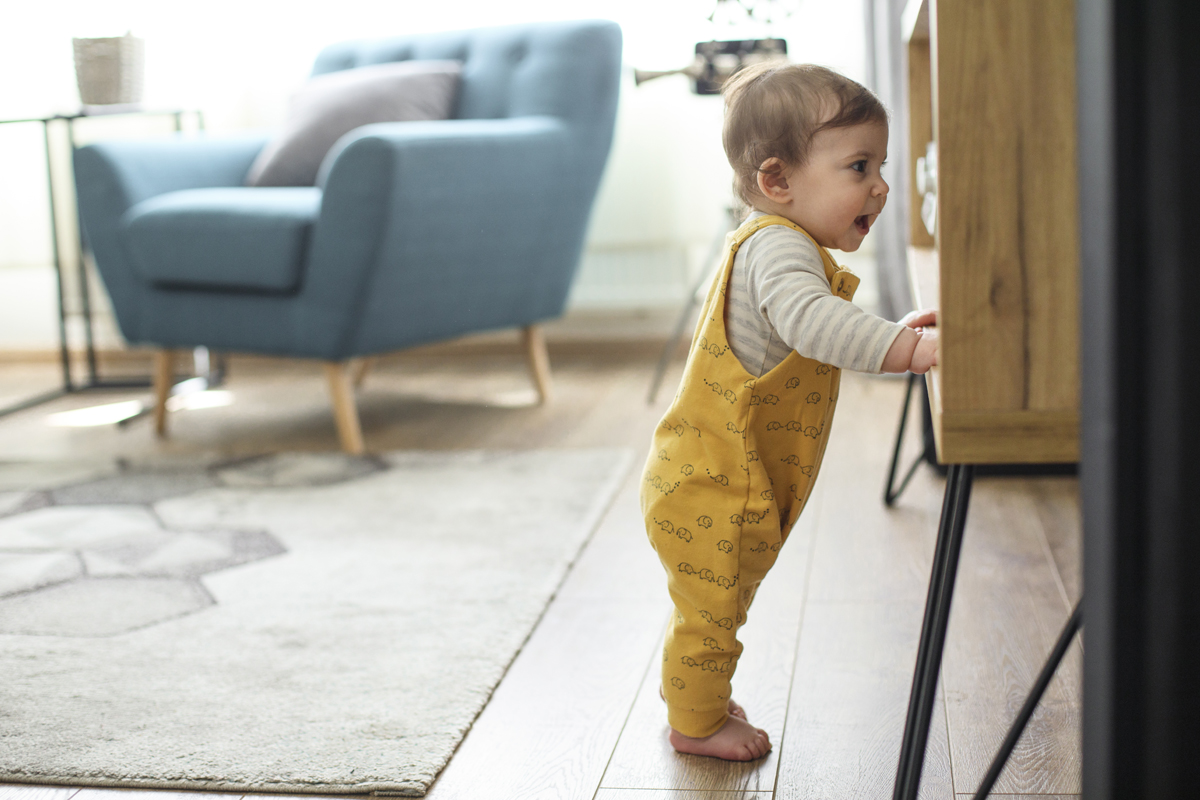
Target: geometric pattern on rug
296, 623
69, 571
103, 570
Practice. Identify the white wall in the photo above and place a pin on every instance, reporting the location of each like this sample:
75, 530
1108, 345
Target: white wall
660, 202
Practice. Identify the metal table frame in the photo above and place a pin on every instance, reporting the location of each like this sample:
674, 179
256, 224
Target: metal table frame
937, 618
94, 381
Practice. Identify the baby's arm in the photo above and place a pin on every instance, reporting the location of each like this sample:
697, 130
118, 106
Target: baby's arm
786, 284
914, 350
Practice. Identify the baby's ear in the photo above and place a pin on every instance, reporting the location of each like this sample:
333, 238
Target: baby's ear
772, 180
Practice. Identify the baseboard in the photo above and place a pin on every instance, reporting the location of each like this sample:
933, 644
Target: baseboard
621, 334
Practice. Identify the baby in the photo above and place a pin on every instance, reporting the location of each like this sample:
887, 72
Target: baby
735, 457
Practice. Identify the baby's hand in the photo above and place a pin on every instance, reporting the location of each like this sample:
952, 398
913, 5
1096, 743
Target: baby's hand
925, 353
922, 318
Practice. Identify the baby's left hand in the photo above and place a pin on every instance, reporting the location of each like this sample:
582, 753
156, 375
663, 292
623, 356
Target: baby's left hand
923, 318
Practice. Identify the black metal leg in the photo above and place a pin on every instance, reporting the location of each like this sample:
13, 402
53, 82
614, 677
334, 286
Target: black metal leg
891, 491
1074, 623
85, 291
933, 631
63, 347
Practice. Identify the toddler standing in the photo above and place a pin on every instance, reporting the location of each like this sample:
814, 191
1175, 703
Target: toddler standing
735, 457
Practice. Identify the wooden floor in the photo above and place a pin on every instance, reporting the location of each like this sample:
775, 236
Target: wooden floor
831, 641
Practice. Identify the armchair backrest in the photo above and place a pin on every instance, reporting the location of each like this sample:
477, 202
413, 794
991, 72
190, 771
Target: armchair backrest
563, 69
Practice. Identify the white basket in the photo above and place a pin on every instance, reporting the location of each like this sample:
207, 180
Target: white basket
110, 70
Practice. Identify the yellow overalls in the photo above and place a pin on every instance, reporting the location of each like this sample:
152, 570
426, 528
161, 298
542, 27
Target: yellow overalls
731, 467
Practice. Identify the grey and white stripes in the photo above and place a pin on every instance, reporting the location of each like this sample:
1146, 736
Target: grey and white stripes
779, 301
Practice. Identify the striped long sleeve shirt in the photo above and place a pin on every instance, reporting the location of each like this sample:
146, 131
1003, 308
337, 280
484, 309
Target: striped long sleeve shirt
779, 301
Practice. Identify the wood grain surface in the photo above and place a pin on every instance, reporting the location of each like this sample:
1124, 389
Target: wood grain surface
996, 82
858, 644
849, 700
999, 636
677, 794
920, 131
22, 792
1004, 437
1056, 503
1007, 229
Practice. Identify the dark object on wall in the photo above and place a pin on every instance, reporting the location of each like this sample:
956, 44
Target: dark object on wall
717, 61
1138, 111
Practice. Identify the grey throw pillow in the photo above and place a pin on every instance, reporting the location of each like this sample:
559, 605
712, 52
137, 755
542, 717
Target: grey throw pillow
331, 105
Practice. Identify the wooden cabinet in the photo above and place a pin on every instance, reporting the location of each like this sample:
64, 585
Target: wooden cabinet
992, 84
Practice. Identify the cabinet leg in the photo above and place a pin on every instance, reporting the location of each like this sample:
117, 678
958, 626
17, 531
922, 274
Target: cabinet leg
891, 491
933, 632
539, 361
345, 409
164, 379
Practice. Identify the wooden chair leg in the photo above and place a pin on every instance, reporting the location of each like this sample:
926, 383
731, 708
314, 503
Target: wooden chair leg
345, 410
359, 367
539, 361
164, 379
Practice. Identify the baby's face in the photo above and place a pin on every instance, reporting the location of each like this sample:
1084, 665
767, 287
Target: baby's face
839, 192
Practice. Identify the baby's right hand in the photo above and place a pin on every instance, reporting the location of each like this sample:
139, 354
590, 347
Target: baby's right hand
925, 353
921, 318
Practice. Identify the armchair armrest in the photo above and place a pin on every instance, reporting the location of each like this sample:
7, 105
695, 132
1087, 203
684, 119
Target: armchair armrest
131, 171
423, 223
113, 176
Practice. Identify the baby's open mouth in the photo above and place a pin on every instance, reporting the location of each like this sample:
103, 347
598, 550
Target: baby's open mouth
863, 224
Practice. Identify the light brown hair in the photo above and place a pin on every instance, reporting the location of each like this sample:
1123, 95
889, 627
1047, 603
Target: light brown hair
774, 109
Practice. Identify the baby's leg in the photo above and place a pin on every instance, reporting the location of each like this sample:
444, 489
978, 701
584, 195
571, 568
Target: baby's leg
735, 709
699, 658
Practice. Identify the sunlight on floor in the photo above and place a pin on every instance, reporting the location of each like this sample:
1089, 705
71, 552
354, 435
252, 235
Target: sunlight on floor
116, 413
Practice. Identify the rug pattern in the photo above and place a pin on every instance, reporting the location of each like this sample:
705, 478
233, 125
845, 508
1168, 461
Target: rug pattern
303, 623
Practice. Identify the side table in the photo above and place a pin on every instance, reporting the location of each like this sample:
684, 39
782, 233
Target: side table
93, 381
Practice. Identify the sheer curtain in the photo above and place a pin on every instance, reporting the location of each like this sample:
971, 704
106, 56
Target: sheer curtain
886, 71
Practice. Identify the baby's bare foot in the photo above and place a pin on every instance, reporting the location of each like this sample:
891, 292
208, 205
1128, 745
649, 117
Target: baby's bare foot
737, 740
735, 710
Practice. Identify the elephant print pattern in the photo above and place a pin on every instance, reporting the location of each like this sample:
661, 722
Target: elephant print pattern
724, 444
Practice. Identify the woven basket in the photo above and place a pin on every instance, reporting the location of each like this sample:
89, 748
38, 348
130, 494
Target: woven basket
110, 70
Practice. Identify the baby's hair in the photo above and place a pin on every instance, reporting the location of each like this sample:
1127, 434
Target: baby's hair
774, 109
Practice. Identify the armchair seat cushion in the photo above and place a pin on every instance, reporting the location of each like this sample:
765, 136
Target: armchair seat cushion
232, 239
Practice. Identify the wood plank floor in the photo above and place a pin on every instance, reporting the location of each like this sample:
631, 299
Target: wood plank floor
831, 640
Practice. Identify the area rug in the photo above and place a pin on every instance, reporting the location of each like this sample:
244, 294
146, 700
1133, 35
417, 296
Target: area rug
296, 623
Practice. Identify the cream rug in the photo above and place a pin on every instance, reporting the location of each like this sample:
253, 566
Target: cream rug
298, 623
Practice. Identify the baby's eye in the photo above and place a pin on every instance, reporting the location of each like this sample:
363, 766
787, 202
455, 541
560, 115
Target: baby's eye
859, 166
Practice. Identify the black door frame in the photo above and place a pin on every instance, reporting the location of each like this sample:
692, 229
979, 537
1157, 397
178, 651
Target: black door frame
1139, 126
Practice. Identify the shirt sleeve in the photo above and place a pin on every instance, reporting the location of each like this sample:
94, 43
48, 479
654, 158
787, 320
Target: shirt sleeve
787, 284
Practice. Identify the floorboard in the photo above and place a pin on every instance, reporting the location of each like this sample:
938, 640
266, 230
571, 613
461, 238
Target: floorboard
14, 791
674, 794
1001, 630
858, 644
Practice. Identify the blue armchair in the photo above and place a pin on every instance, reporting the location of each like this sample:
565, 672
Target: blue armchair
416, 231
